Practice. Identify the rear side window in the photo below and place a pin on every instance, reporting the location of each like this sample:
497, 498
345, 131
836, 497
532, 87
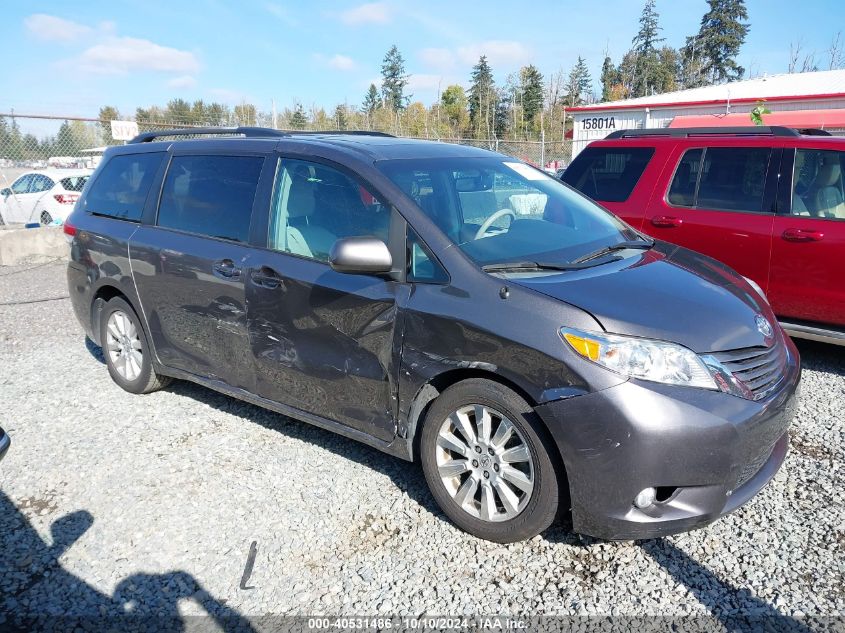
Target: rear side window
721, 178
74, 183
608, 173
120, 191
210, 195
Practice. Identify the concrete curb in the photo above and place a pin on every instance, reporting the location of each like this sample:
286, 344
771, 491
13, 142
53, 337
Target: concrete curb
18, 246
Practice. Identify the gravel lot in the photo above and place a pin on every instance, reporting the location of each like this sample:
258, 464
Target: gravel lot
112, 502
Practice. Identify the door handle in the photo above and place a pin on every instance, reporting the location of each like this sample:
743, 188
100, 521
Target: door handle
226, 269
266, 277
800, 235
666, 221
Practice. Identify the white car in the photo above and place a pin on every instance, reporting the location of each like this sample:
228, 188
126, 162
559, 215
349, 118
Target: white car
46, 196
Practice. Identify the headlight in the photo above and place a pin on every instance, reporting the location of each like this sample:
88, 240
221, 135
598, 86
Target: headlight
657, 361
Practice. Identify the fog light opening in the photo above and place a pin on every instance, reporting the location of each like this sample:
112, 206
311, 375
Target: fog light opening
645, 498
664, 493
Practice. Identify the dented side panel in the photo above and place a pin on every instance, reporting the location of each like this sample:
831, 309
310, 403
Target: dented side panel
326, 342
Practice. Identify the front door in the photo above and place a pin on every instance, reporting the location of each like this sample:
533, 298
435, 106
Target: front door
324, 342
720, 202
809, 239
191, 266
26, 191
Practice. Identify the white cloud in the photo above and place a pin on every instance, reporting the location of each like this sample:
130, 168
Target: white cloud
232, 97
438, 58
280, 12
337, 62
183, 82
55, 29
370, 13
424, 83
120, 55
501, 52
341, 62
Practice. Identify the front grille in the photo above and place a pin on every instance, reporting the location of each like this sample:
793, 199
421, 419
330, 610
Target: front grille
753, 467
758, 368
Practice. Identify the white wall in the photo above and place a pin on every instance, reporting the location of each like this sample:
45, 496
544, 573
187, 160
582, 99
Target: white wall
641, 117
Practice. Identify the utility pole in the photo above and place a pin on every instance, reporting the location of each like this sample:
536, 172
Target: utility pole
275, 127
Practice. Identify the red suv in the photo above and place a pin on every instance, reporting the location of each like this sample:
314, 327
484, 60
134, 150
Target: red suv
767, 201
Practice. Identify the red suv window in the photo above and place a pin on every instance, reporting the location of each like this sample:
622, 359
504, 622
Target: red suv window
608, 173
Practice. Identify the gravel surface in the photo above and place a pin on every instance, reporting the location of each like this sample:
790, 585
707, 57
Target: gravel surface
111, 502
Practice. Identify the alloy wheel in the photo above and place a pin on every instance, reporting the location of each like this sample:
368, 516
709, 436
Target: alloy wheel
124, 345
484, 463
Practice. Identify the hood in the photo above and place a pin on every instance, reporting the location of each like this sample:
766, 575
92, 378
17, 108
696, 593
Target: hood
667, 293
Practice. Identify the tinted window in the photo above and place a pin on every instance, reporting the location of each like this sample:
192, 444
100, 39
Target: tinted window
22, 184
210, 195
608, 173
40, 183
121, 188
74, 183
733, 178
315, 205
682, 190
818, 189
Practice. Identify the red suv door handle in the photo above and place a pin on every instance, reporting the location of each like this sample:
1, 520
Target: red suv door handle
666, 221
800, 235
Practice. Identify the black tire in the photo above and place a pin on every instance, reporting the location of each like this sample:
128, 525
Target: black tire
46, 219
147, 380
542, 505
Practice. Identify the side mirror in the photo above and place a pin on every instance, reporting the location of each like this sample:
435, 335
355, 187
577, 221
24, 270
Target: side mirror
360, 255
5, 192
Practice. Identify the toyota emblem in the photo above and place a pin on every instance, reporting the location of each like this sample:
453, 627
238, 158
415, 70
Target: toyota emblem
763, 326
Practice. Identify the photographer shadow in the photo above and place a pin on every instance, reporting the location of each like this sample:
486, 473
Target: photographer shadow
39, 593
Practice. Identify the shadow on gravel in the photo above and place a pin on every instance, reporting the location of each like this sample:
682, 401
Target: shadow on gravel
821, 357
37, 593
95, 350
736, 609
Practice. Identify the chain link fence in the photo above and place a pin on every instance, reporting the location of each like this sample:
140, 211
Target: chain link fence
34, 143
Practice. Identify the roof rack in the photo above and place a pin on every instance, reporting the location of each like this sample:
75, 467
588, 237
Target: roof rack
751, 130
249, 132
814, 131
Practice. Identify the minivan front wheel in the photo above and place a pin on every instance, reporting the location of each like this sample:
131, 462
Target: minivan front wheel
126, 350
486, 463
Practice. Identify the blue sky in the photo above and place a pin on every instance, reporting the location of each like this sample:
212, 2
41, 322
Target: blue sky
70, 58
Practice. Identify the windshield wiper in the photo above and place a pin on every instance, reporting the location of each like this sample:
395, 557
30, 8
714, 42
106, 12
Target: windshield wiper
621, 246
531, 266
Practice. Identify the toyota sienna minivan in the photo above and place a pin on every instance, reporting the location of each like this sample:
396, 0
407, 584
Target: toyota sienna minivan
444, 304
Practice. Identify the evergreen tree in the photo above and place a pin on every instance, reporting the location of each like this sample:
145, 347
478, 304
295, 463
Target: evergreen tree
394, 80
371, 100
107, 115
531, 84
609, 79
647, 61
579, 85
710, 56
178, 111
341, 119
482, 99
298, 120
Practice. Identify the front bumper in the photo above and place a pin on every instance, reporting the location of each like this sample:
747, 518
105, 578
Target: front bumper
709, 451
5, 443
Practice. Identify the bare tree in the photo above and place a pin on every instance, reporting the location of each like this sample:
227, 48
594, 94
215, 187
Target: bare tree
799, 64
836, 56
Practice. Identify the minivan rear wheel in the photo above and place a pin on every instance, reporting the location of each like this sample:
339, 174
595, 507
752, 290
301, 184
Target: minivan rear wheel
126, 350
486, 462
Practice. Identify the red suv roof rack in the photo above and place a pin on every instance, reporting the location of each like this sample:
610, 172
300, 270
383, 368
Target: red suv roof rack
751, 130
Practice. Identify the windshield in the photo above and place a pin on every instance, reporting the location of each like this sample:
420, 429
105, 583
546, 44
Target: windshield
499, 210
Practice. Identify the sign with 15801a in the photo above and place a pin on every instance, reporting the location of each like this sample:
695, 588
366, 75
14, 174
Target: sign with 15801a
599, 123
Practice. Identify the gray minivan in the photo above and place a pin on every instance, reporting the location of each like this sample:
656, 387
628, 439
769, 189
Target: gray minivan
447, 305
